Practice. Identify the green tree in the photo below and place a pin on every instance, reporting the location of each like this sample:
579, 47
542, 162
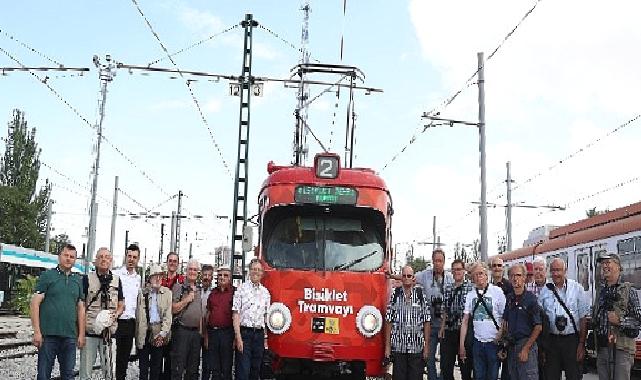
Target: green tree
26, 289
57, 242
594, 212
418, 264
23, 210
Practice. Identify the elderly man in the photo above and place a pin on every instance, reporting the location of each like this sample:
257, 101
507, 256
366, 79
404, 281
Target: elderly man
187, 332
104, 304
453, 306
127, 322
153, 324
565, 305
616, 317
407, 329
539, 275
249, 309
57, 316
220, 332
521, 327
485, 305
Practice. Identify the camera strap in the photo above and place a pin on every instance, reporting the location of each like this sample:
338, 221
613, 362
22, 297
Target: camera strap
487, 309
565, 308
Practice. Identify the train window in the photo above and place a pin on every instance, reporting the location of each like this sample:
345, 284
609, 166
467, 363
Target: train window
583, 270
625, 246
630, 268
324, 243
637, 243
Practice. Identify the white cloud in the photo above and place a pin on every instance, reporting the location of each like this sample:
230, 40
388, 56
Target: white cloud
213, 105
201, 21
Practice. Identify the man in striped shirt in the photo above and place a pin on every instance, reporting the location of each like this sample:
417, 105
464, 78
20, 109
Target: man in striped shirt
407, 329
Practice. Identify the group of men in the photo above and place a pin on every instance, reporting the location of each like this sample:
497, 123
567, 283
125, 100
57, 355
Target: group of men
176, 321
525, 327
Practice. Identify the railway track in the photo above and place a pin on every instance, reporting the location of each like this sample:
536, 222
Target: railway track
23, 348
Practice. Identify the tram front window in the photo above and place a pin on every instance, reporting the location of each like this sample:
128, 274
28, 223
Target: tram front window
324, 243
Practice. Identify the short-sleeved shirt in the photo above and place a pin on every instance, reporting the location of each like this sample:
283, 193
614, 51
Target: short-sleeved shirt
573, 295
251, 302
521, 314
130, 288
170, 282
407, 315
58, 313
454, 303
433, 287
192, 314
484, 328
219, 306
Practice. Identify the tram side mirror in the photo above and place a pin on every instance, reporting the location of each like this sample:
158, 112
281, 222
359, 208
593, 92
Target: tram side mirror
248, 239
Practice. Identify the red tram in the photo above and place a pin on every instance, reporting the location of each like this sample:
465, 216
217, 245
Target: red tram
325, 241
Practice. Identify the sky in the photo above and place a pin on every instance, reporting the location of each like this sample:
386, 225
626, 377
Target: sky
558, 93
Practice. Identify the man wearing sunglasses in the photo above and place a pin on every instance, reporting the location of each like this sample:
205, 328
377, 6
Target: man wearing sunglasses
219, 338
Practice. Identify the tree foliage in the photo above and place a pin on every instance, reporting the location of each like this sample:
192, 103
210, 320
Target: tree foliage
57, 242
417, 263
23, 207
594, 212
26, 289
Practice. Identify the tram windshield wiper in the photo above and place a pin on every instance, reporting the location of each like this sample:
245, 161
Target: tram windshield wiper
354, 262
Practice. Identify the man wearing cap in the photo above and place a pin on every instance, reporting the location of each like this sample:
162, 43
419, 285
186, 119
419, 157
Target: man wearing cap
616, 315
153, 324
104, 304
127, 322
219, 337
57, 316
564, 302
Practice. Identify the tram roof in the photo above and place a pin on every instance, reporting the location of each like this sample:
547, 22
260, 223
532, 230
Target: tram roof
295, 175
616, 222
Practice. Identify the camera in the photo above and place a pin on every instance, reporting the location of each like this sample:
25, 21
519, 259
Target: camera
629, 327
504, 345
387, 361
561, 322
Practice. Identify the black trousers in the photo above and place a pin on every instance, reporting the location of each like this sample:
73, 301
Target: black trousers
150, 361
220, 354
561, 356
185, 353
407, 366
449, 353
124, 342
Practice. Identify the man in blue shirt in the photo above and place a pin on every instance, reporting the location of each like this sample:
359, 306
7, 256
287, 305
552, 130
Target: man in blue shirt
521, 327
568, 325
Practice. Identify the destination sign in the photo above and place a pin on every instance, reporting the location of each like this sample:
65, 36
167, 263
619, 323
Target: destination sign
326, 195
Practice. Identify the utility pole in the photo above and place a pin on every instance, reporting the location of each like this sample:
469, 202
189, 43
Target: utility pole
126, 242
190, 250
172, 233
106, 75
300, 135
508, 209
434, 234
114, 214
48, 231
178, 217
483, 208
162, 241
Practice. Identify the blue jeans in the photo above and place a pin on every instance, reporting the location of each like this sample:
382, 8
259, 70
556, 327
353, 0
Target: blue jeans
486, 363
249, 361
57, 346
431, 359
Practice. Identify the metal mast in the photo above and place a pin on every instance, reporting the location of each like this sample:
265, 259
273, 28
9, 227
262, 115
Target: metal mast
300, 135
245, 82
106, 74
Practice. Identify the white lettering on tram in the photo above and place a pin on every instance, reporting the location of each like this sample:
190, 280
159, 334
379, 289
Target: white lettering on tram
324, 295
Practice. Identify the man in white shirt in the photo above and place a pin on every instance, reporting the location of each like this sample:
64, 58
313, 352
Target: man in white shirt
485, 303
127, 322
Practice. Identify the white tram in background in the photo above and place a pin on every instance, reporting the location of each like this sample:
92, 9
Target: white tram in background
580, 243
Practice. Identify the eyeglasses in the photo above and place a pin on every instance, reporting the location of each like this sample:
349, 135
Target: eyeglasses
223, 275
408, 276
496, 265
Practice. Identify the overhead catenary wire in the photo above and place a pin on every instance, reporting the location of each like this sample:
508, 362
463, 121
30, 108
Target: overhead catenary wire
85, 120
30, 48
194, 45
191, 92
469, 82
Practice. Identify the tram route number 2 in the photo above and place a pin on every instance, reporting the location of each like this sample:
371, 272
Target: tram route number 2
327, 167
325, 325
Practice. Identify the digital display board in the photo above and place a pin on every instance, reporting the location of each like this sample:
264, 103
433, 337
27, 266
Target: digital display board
326, 195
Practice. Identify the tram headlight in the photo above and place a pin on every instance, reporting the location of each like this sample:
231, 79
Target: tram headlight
369, 321
279, 318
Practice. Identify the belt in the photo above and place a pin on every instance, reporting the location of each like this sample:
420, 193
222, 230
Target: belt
248, 328
154, 323
218, 327
188, 328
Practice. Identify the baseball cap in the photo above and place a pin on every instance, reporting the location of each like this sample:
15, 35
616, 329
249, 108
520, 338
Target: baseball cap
608, 256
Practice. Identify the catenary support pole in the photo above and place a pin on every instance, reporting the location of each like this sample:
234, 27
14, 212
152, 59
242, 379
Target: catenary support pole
114, 214
483, 208
508, 209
